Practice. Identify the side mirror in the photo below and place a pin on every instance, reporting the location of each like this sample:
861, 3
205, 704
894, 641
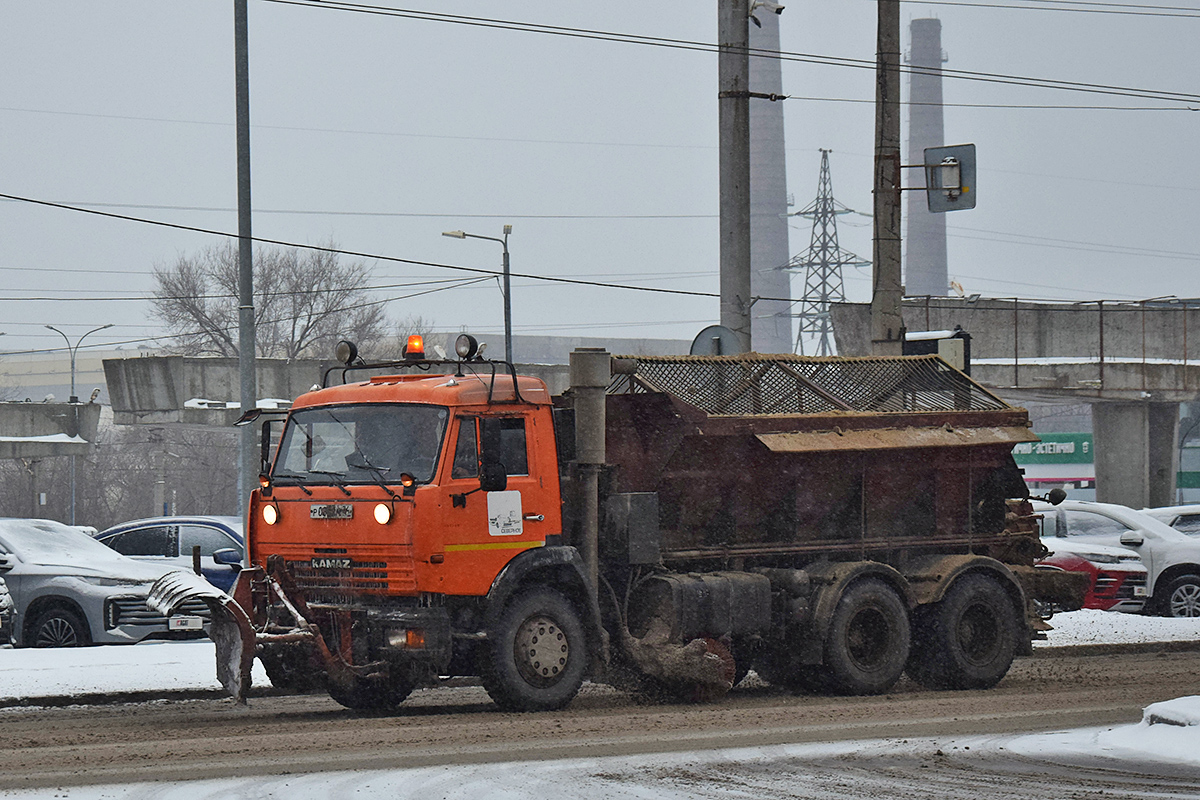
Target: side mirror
228, 557
493, 477
6, 562
1056, 496
1132, 539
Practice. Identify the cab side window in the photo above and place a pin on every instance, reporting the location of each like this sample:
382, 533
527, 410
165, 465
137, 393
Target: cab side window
466, 452
504, 441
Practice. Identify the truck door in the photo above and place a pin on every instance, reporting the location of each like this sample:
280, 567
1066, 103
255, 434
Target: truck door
484, 530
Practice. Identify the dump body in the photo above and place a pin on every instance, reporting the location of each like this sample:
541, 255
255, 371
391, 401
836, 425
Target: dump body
925, 465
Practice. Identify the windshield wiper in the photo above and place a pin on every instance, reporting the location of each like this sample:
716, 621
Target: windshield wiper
378, 472
290, 479
333, 476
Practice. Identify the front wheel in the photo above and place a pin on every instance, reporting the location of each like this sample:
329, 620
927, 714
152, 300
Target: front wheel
376, 693
291, 667
536, 653
1182, 598
59, 627
969, 639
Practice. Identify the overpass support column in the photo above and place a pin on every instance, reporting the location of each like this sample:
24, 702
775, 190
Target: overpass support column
1136, 453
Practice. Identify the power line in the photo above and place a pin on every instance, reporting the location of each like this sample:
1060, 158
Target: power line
376, 256
708, 47
1120, 9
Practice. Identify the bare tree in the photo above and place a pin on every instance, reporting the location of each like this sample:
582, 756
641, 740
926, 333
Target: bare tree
304, 301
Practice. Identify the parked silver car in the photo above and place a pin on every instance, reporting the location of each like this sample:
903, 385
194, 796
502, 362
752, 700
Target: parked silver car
69, 590
6, 614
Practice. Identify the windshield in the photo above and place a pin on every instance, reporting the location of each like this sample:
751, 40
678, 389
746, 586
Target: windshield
373, 443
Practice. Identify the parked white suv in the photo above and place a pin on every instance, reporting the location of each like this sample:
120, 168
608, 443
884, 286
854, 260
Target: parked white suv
1173, 559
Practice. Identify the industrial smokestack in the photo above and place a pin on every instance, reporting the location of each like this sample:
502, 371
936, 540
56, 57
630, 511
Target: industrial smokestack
771, 320
925, 268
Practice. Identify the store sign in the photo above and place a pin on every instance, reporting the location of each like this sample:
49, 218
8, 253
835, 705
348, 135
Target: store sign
1056, 448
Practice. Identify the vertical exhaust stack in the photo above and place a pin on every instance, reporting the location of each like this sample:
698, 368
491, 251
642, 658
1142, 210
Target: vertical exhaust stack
925, 262
591, 372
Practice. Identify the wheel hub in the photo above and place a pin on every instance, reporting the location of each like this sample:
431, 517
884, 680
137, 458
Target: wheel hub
56, 632
978, 633
1185, 601
541, 650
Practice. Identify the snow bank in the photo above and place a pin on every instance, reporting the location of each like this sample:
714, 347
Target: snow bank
145, 667
1168, 733
1089, 626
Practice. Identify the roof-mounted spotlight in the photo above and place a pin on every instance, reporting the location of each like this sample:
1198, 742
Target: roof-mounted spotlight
466, 346
346, 352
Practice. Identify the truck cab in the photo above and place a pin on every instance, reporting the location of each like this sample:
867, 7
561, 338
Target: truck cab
405, 509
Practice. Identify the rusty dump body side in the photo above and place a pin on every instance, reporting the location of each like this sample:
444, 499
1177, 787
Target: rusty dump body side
794, 459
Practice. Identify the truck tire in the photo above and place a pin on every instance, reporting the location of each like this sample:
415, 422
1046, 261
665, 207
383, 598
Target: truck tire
536, 653
290, 667
1182, 598
968, 639
59, 627
373, 694
867, 645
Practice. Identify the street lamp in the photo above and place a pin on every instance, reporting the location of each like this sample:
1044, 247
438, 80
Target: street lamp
74, 399
508, 355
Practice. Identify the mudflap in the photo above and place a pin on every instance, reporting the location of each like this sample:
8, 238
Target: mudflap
230, 626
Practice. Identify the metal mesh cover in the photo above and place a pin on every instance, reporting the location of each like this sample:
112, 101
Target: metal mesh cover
753, 384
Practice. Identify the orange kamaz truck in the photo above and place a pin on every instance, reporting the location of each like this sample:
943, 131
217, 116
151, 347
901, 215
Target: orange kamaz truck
665, 525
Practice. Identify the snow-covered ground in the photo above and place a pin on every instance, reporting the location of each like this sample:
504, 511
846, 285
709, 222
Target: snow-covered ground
1169, 732
182, 666
844, 770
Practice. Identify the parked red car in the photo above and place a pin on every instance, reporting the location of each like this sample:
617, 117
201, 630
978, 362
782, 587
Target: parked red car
1118, 577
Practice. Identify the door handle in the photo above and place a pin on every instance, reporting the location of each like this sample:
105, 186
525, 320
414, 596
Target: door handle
534, 518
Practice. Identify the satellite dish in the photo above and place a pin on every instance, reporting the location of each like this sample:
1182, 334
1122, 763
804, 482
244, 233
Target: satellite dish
716, 340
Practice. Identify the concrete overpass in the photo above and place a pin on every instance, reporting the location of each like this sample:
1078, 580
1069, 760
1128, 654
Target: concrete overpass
1132, 363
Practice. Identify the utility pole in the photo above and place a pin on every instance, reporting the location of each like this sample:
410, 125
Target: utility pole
733, 122
887, 326
247, 458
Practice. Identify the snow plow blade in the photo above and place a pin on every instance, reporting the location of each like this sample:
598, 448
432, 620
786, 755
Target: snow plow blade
230, 628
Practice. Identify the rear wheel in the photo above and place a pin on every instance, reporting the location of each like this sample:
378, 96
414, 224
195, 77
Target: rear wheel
868, 640
968, 640
59, 627
536, 654
1182, 598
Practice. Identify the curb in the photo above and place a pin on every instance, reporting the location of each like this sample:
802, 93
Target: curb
1133, 648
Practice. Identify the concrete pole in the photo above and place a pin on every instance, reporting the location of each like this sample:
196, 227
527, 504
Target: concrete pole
247, 458
887, 292
591, 372
733, 123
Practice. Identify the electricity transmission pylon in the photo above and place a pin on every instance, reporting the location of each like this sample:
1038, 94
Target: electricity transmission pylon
822, 262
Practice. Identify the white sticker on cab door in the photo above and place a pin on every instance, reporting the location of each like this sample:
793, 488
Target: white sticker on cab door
504, 514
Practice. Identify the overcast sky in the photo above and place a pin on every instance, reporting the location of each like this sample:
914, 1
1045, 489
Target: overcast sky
379, 133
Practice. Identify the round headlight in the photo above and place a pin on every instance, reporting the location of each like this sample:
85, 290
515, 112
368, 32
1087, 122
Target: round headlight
466, 346
383, 513
270, 514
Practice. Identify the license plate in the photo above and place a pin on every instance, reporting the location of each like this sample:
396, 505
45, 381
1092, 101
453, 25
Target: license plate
331, 511
185, 624
332, 563
1140, 591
